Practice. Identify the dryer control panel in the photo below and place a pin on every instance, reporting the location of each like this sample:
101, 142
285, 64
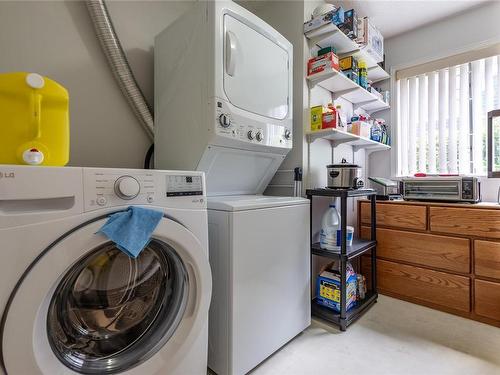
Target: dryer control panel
228, 123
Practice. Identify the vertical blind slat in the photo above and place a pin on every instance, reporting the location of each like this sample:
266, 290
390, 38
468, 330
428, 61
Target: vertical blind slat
413, 123
488, 75
443, 117
432, 116
463, 121
497, 104
477, 77
404, 126
422, 127
452, 122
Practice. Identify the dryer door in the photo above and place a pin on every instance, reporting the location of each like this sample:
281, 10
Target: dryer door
256, 69
85, 306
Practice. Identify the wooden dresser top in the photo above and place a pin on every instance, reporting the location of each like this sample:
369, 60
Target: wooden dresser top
488, 205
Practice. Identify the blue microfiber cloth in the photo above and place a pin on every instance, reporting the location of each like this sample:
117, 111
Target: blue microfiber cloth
131, 230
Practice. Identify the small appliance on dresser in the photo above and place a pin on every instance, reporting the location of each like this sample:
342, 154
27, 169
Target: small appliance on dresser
223, 101
442, 188
73, 302
386, 189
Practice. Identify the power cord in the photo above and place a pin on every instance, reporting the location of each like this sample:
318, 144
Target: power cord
148, 160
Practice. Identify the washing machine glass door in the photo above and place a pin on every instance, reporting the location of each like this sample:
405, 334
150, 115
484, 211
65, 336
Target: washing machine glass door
85, 306
108, 303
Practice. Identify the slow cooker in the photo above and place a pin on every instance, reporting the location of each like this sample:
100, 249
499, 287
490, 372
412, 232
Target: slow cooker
344, 176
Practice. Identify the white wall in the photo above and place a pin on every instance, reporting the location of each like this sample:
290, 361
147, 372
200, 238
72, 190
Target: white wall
448, 37
286, 17
57, 39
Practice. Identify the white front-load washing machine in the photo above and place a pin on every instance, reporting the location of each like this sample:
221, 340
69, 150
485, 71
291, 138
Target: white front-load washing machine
72, 302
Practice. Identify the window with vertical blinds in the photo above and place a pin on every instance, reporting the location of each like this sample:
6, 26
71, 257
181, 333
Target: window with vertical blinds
442, 117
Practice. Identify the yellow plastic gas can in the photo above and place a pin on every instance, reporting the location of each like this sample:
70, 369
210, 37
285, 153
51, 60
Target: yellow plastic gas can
34, 120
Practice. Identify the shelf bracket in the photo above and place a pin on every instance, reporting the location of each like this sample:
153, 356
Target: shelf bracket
378, 110
369, 150
337, 142
360, 104
318, 35
349, 53
338, 94
311, 138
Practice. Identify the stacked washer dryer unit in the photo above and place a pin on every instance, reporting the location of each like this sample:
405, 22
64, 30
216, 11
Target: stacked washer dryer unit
72, 302
223, 105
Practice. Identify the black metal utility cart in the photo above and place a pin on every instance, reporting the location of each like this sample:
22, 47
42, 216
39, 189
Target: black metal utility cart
359, 247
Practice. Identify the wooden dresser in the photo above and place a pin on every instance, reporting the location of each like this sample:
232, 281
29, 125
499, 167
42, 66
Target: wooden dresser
444, 256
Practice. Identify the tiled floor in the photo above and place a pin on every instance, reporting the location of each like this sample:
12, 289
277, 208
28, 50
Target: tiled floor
394, 337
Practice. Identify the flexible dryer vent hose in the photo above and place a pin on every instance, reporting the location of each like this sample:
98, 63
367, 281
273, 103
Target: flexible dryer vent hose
119, 64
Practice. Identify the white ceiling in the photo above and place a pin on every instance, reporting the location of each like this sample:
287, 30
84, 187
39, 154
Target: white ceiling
398, 16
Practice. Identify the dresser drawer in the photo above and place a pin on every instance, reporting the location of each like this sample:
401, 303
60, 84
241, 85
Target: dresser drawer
487, 259
396, 215
428, 250
465, 221
450, 291
487, 299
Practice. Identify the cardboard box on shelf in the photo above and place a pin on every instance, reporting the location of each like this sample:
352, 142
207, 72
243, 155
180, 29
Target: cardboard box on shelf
352, 75
329, 120
361, 128
348, 63
372, 40
335, 16
328, 287
323, 118
316, 117
324, 51
323, 62
350, 25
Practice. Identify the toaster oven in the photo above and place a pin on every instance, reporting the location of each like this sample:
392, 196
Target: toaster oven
442, 188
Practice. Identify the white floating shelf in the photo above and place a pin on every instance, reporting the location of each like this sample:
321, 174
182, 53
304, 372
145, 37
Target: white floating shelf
332, 80
341, 137
377, 74
343, 87
330, 35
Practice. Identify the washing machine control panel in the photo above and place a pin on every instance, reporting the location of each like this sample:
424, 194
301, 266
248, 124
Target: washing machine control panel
118, 187
179, 186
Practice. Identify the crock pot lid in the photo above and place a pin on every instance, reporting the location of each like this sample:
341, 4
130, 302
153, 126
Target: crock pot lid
343, 164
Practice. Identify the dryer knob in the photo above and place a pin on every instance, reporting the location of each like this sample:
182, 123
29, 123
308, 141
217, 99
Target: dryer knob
250, 135
259, 137
127, 187
224, 121
288, 134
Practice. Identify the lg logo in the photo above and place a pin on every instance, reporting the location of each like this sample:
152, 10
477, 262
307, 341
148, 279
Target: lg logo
7, 175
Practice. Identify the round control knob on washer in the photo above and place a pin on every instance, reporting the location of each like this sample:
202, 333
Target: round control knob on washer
101, 201
250, 135
259, 137
127, 187
288, 134
224, 121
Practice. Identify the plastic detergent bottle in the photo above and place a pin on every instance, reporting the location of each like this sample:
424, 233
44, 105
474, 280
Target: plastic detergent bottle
330, 230
342, 118
376, 132
363, 74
